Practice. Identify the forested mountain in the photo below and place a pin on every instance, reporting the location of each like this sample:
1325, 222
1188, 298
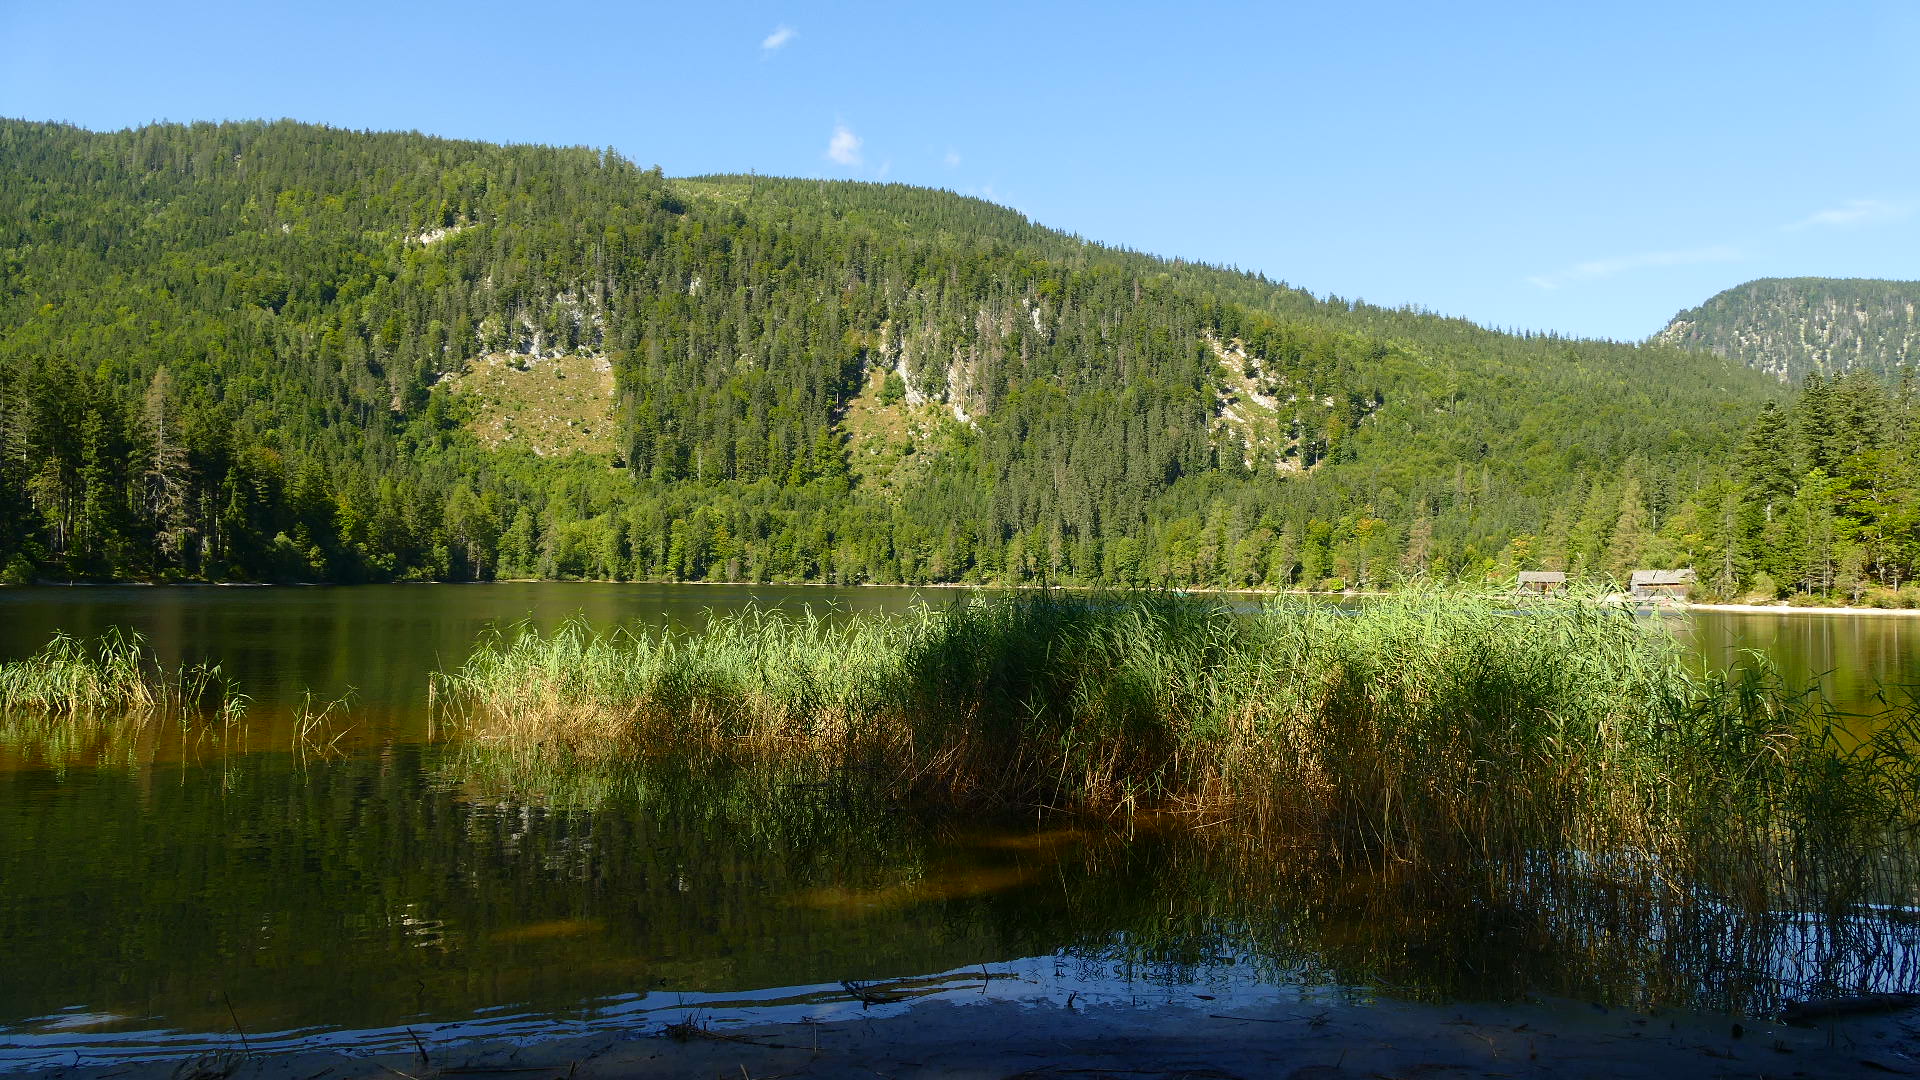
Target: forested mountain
1794, 327
282, 351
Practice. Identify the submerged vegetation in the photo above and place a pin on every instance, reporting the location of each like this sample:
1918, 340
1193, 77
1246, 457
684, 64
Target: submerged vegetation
1453, 749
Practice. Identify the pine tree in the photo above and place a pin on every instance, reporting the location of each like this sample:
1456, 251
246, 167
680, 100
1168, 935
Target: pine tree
1629, 538
166, 480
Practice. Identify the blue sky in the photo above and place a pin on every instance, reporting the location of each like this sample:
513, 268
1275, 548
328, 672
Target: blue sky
1584, 168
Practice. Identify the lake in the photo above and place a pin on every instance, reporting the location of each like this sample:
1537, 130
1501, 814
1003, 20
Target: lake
165, 898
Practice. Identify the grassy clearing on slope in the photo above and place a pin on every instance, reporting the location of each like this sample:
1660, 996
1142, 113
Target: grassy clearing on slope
891, 442
554, 406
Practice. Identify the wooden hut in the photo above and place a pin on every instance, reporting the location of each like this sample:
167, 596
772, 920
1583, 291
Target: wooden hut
1542, 581
1660, 584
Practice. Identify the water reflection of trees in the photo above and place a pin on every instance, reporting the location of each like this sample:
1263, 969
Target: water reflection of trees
392, 886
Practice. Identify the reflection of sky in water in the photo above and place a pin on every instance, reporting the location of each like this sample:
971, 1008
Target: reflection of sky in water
1035, 981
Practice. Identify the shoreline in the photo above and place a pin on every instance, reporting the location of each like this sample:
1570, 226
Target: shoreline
1032, 1039
1786, 609
1207, 590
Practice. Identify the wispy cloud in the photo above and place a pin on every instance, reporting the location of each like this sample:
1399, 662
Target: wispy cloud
952, 159
777, 40
844, 147
1851, 213
1595, 269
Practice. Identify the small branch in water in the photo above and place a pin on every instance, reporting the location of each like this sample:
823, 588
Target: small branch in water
236, 1023
866, 996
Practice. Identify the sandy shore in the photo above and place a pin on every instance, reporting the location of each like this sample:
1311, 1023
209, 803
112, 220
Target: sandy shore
1007, 1040
1783, 609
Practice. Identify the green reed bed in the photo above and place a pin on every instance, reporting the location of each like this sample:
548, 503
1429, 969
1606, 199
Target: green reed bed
762, 679
1444, 731
116, 680
1552, 780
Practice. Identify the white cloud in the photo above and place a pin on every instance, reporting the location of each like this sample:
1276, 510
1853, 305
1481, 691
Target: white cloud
1595, 269
952, 159
1854, 212
779, 38
844, 147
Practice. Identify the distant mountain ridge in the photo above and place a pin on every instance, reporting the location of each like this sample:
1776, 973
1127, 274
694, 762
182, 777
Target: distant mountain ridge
1790, 327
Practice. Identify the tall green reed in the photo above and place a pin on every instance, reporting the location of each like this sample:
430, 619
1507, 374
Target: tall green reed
1447, 733
109, 701
115, 678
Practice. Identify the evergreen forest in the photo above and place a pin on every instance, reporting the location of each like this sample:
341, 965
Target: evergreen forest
286, 352
1794, 327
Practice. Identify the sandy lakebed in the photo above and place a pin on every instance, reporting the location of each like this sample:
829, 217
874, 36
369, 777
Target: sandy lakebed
1003, 1039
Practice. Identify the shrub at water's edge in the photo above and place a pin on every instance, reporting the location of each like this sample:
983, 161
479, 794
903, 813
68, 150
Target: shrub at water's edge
1440, 730
116, 679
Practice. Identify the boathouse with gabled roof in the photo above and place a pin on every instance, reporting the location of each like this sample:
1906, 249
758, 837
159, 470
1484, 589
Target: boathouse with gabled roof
1660, 584
1542, 581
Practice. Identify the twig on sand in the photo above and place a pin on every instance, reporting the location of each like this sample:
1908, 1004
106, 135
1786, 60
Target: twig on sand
1315, 1020
693, 1029
205, 1067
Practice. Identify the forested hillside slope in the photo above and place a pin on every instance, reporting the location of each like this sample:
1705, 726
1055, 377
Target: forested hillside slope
1794, 327
282, 351
1822, 501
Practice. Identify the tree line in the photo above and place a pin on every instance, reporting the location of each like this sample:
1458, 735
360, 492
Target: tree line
234, 351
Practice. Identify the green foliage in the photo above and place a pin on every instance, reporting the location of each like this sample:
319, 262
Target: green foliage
227, 345
1820, 504
1795, 327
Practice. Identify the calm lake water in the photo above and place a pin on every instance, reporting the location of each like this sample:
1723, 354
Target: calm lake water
156, 898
